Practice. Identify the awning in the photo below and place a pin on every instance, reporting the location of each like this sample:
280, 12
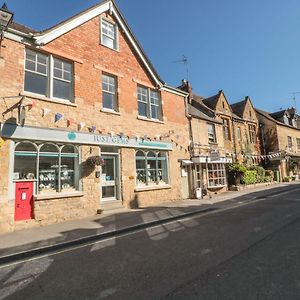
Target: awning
185, 162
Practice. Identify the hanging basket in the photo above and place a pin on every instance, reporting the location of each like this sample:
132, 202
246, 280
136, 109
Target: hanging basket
93, 161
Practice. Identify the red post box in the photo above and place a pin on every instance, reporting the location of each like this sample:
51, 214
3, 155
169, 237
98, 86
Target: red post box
24, 200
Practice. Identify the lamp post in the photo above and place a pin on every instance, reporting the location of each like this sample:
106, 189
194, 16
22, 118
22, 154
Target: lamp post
5, 19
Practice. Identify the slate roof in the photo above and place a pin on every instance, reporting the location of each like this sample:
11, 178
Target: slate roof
21, 28
197, 113
211, 102
238, 108
198, 103
278, 114
270, 116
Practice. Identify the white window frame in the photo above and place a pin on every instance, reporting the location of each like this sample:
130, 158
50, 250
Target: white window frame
60, 154
114, 93
218, 168
50, 76
211, 135
156, 157
115, 39
150, 104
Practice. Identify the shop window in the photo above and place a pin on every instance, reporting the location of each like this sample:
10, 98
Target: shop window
140, 160
69, 169
216, 175
149, 103
48, 76
25, 161
109, 34
151, 168
56, 168
109, 92
48, 169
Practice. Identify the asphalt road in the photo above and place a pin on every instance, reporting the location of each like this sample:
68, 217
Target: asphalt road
249, 252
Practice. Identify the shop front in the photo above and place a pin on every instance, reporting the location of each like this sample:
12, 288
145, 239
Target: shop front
209, 173
51, 177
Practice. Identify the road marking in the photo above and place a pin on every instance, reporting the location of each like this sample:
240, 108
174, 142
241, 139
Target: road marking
200, 215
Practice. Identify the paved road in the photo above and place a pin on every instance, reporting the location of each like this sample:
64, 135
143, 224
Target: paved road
250, 252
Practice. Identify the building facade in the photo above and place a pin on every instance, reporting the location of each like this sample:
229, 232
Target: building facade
209, 155
86, 119
245, 132
280, 139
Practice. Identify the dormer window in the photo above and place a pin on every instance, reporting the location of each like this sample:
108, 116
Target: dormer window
286, 119
294, 123
109, 34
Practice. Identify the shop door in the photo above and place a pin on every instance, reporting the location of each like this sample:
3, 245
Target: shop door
24, 201
109, 178
185, 182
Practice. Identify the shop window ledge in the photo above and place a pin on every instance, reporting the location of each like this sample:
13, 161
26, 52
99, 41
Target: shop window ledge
58, 195
153, 187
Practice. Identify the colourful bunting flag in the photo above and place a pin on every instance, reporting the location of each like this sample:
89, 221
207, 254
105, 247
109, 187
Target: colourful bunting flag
46, 111
58, 117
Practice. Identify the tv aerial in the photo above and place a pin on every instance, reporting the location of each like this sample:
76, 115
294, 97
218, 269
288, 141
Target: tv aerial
294, 99
184, 61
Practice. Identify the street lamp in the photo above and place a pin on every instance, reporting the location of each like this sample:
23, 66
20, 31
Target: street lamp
5, 19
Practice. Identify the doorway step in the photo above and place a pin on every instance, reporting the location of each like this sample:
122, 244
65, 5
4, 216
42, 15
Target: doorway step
113, 206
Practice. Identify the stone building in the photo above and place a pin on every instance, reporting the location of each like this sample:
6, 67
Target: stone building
75, 96
220, 133
245, 131
210, 147
280, 140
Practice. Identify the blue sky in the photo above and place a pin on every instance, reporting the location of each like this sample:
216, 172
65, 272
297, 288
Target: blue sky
243, 47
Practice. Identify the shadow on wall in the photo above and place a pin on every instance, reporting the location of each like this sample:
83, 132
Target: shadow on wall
134, 204
86, 169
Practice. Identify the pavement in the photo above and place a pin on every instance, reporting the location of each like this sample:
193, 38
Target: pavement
30, 243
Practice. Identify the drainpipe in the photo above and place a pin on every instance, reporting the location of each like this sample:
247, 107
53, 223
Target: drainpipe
187, 99
234, 140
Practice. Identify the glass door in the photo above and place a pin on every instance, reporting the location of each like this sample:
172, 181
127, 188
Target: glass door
109, 178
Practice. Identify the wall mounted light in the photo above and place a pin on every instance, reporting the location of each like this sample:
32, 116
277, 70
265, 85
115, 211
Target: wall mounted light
6, 18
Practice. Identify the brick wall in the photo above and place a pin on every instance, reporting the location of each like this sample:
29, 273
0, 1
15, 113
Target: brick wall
90, 60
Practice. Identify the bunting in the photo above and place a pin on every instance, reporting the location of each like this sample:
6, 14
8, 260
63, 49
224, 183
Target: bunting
58, 116
45, 112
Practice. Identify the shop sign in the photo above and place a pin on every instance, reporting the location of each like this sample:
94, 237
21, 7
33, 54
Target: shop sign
106, 139
13, 131
214, 155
